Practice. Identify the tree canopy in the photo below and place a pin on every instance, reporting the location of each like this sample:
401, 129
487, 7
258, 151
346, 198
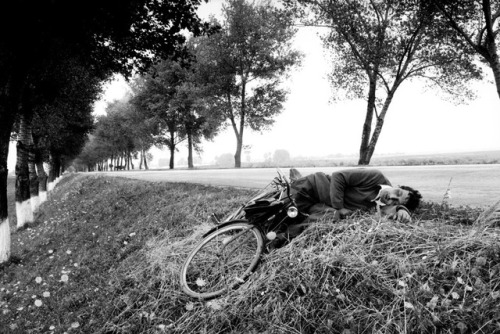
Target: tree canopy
104, 37
377, 45
476, 25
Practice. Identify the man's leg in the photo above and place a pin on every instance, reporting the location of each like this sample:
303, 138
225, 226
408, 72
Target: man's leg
321, 211
294, 174
317, 212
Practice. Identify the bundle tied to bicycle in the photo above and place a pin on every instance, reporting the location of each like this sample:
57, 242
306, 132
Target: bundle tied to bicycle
228, 253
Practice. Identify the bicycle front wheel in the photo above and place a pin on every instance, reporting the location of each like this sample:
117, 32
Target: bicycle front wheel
222, 260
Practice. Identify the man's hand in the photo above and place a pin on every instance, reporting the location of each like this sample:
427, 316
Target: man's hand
402, 216
344, 212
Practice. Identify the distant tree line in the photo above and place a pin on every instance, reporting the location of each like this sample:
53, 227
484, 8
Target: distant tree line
229, 78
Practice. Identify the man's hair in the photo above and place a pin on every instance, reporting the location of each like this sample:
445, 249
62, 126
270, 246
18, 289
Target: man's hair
413, 199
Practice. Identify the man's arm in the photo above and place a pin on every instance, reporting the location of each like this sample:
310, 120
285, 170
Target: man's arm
398, 212
351, 178
338, 184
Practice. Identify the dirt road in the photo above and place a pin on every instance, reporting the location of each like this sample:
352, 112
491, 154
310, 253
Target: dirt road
474, 185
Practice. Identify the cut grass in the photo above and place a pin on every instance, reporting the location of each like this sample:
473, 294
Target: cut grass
120, 244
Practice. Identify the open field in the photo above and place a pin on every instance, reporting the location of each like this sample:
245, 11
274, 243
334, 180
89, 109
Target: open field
104, 255
471, 185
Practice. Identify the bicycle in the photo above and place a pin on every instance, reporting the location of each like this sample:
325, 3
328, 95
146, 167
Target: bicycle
230, 252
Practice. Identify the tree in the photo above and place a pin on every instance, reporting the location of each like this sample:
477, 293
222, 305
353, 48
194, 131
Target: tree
378, 45
476, 25
193, 105
172, 98
156, 99
224, 160
244, 63
108, 36
281, 157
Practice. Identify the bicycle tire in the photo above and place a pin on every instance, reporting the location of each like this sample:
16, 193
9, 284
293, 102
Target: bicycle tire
219, 262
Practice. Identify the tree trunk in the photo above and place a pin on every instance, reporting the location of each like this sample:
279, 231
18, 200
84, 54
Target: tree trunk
239, 139
40, 171
42, 179
190, 149
141, 158
130, 160
237, 155
380, 123
54, 170
492, 55
145, 160
171, 147
367, 126
24, 211
495, 67
34, 186
5, 130
172, 152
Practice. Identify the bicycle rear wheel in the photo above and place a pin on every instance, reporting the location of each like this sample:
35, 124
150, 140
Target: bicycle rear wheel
222, 260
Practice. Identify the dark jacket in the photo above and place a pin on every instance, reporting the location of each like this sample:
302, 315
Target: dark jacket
350, 189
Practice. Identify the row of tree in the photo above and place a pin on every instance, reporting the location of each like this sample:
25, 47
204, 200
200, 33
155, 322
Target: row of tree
54, 59
375, 46
231, 77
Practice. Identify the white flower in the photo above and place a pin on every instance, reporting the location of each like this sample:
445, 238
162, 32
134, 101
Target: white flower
214, 305
189, 306
409, 305
68, 252
51, 251
75, 325
52, 328
46, 294
38, 280
38, 303
64, 278
201, 282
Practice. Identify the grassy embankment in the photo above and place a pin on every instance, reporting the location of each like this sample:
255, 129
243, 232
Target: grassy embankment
104, 255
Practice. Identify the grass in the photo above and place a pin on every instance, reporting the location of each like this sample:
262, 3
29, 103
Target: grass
104, 257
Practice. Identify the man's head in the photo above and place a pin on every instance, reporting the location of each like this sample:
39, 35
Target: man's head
414, 198
402, 195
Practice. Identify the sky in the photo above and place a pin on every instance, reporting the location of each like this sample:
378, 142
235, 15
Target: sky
418, 121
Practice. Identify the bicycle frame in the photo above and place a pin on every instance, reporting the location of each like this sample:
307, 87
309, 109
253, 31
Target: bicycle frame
281, 201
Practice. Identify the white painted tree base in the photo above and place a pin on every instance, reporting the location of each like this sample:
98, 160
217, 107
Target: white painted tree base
35, 203
52, 185
43, 196
4, 240
24, 213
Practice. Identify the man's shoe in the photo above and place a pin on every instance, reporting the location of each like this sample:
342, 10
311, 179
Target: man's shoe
294, 174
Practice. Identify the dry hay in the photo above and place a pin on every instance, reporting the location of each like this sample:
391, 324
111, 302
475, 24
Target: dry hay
365, 276
357, 276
